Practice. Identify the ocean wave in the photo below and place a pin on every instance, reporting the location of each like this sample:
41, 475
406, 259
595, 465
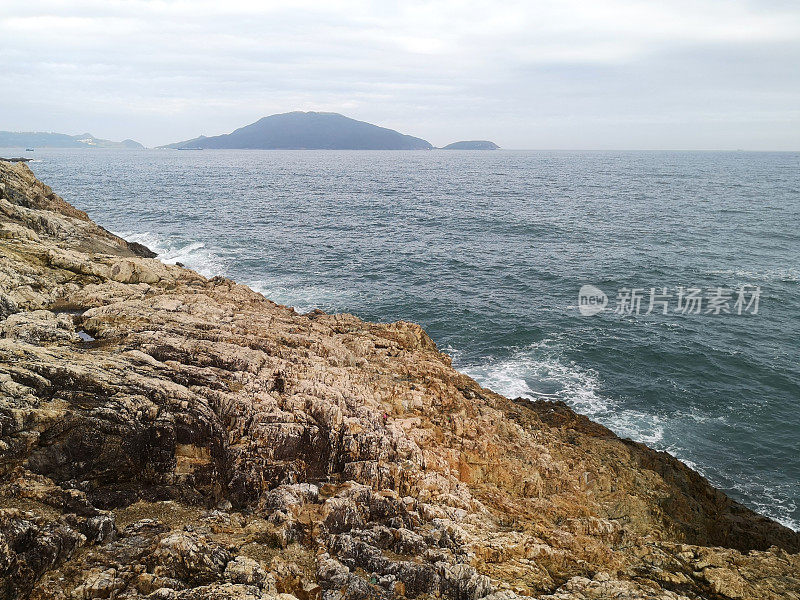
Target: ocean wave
775, 501
194, 255
301, 294
538, 372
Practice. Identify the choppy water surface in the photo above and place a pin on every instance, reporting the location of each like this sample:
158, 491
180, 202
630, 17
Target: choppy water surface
487, 250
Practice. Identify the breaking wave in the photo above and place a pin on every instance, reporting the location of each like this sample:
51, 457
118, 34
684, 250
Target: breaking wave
194, 255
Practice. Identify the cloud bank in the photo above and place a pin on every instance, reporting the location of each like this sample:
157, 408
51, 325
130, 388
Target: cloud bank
620, 74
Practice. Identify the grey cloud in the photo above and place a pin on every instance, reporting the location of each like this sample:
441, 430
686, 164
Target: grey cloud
568, 74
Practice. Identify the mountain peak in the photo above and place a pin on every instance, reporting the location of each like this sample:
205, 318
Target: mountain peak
311, 130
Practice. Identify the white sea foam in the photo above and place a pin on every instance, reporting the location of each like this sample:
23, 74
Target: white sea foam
776, 502
194, 255
301, 294
537, 372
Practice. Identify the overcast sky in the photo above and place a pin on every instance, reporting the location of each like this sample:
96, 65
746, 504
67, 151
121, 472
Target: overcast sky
575, 74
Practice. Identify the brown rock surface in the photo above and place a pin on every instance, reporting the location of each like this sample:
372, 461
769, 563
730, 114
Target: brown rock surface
208, 443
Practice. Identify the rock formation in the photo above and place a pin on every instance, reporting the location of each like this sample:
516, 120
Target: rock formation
173, 437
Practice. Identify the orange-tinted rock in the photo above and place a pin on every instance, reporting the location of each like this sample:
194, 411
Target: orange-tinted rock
208, 443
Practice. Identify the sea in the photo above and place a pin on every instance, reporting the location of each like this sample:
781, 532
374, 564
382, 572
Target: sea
658, 293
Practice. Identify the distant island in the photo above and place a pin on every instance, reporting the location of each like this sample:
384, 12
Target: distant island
296, 130
308, 131
41, 139
472, 145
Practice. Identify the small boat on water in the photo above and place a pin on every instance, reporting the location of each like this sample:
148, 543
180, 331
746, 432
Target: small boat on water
28, 149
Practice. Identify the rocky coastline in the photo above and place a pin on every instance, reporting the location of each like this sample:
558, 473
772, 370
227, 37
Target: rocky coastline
168, 436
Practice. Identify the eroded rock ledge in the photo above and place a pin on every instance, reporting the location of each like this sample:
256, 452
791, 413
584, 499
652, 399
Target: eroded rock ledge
174, 437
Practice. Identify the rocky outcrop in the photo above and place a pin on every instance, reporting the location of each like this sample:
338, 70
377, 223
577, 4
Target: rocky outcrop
169, 436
